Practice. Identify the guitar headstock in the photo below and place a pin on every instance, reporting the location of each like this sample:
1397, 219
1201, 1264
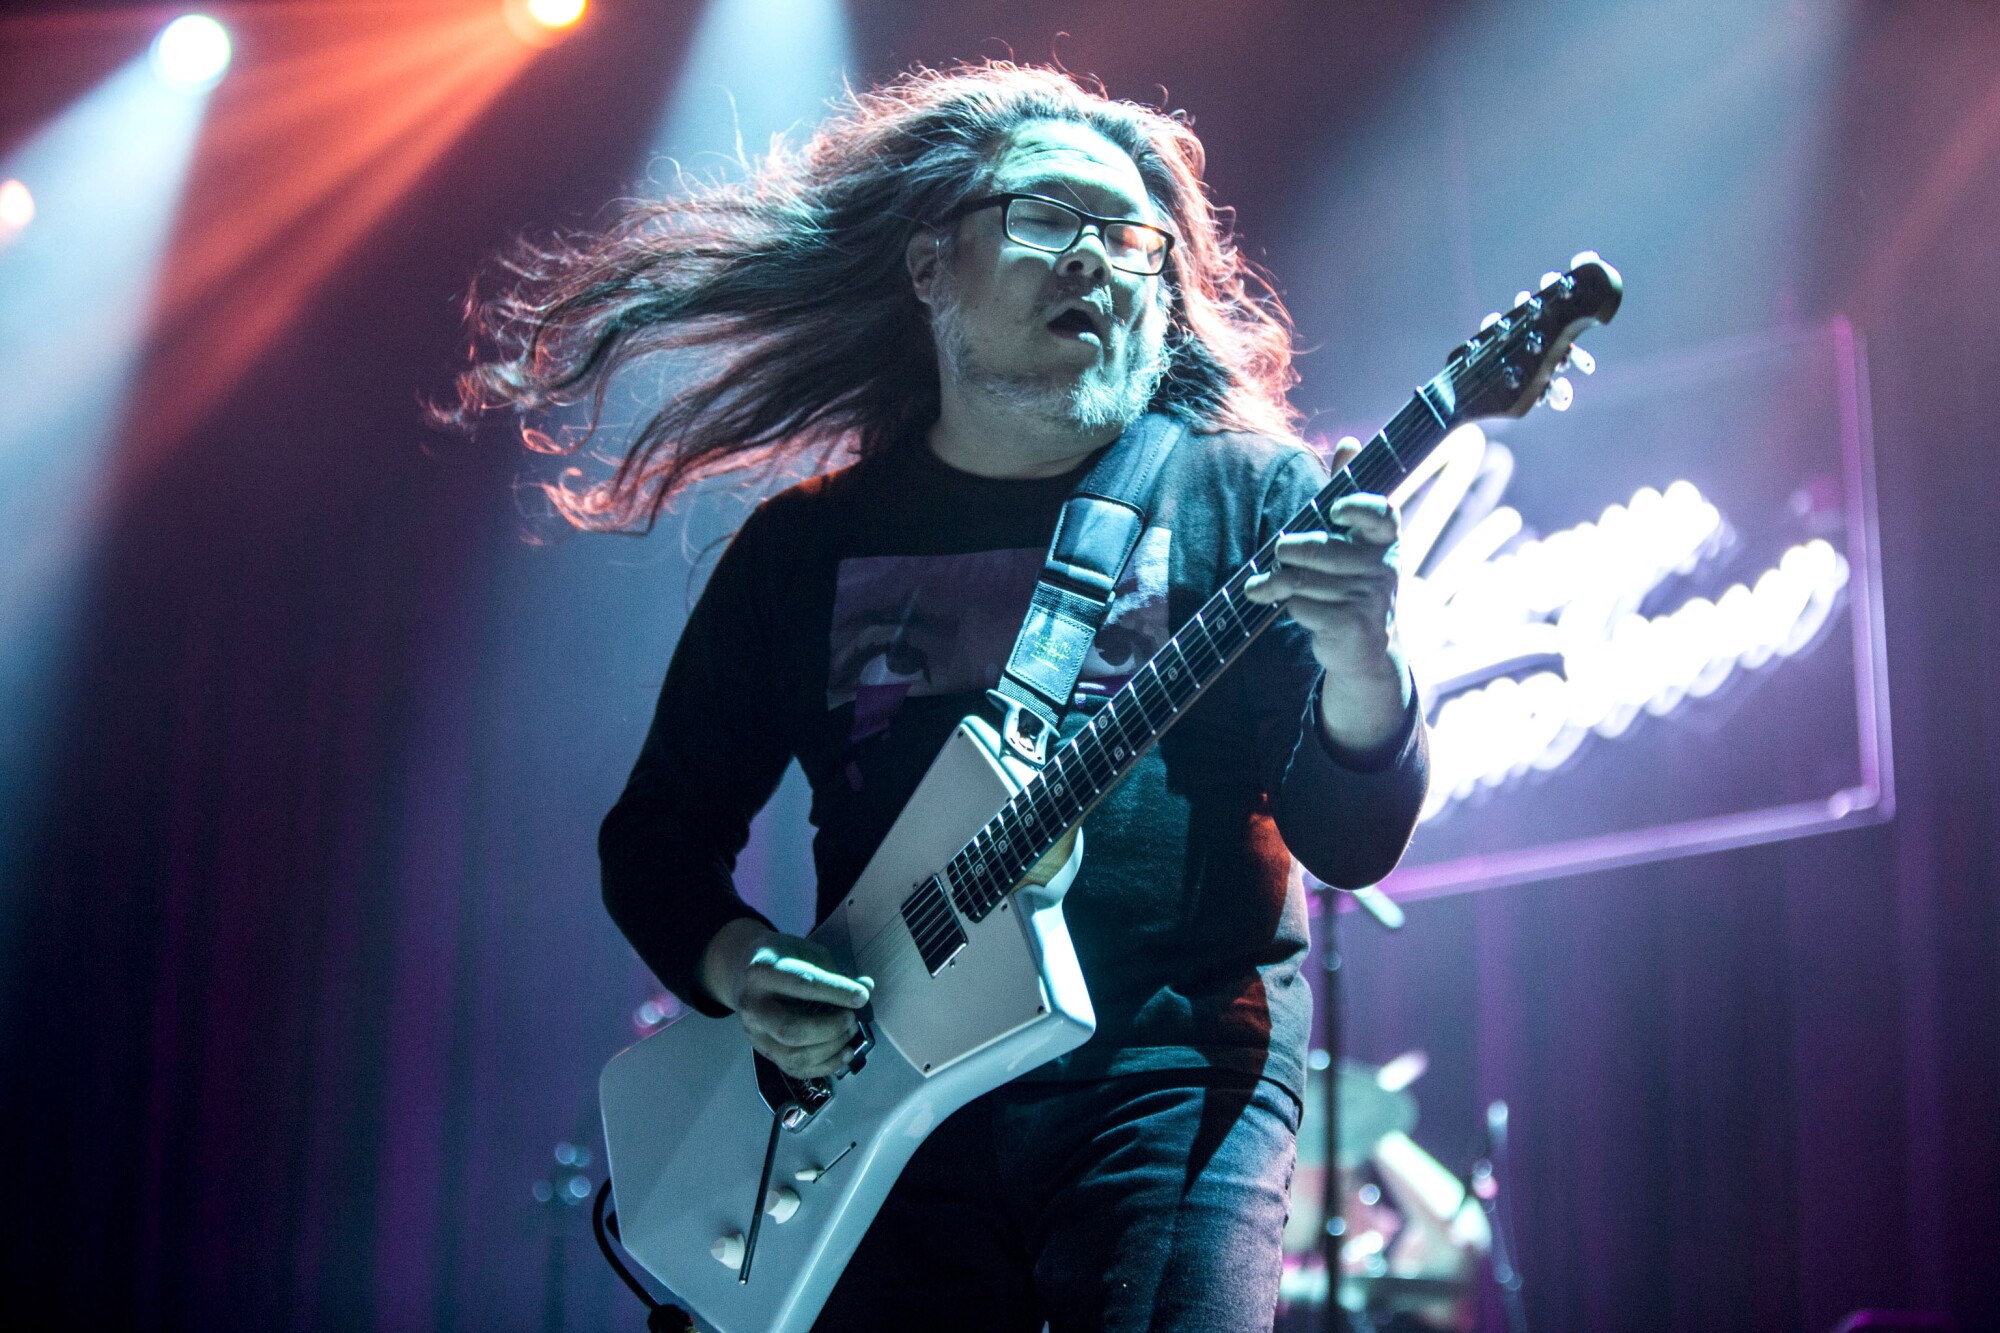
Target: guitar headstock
1518, 359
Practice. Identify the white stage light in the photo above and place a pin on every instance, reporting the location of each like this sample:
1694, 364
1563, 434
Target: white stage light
555, 13
17, 208
540, 22
191, 53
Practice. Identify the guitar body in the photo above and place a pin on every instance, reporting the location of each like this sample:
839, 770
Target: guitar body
687, 1120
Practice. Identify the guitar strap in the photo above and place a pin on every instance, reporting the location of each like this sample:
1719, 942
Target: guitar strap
1095, 536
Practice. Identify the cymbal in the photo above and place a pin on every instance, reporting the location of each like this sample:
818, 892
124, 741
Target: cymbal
1367, 1112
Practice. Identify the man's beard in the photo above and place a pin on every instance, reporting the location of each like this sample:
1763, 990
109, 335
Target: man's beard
1086, 404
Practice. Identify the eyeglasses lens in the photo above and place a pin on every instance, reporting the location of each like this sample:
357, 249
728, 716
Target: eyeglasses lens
1050, 226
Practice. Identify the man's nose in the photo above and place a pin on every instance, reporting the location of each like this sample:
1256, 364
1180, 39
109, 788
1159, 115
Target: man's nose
1085, 256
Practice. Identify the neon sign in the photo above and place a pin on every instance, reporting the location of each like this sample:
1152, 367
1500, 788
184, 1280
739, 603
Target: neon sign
1528, 648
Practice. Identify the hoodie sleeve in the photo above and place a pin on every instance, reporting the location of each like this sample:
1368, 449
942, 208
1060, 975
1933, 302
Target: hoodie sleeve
1346, 816
711, 759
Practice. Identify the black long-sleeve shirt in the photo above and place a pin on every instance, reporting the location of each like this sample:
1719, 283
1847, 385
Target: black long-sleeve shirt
857, 617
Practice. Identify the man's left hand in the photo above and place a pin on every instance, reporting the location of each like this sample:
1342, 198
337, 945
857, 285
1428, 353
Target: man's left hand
1342, 587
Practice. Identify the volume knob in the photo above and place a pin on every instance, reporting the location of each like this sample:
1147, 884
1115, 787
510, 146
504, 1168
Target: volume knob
781, 1203
728, 1250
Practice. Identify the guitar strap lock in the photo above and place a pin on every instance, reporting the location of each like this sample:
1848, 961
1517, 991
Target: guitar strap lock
1095, 536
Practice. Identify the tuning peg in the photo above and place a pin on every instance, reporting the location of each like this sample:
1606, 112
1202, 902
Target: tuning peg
1550, 278
1521, 297
1582, 362
1582, 257
1559, 395
1489, 321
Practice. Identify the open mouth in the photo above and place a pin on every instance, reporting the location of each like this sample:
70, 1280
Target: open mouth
1073, 323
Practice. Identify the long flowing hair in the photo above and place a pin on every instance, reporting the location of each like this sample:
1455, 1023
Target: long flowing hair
790, 290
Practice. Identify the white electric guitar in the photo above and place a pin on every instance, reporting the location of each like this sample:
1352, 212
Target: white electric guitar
746, 1191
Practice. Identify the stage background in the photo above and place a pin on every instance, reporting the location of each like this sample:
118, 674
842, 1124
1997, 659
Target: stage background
305, 971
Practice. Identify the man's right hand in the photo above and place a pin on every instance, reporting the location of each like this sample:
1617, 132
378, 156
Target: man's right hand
797, 1009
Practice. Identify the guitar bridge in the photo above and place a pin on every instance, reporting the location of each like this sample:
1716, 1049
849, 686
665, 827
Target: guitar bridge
795, 1101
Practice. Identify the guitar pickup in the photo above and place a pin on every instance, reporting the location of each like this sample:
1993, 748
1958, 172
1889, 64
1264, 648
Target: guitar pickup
933, 925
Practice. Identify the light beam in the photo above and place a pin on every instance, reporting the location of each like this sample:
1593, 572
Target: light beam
75, 295
755, 68
317, 142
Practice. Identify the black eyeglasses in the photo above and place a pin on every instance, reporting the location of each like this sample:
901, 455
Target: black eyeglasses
1048, 224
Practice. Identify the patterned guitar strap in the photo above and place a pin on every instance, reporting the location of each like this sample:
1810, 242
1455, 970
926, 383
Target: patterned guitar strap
1095, 536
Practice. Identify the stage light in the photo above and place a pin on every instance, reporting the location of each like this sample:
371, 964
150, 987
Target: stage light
555, 13
17, 209
539, 22
191, 53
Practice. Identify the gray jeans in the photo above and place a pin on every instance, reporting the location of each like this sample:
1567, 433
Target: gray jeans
1150, 1202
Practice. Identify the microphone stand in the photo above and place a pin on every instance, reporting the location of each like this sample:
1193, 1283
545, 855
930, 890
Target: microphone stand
1481, 1184
1505, 1275
1333, 1229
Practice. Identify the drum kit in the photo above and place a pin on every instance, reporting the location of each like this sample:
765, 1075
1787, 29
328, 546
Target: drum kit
1410, 1237
1385, 1238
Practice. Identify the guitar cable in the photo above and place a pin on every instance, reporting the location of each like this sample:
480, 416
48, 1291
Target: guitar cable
660, 1316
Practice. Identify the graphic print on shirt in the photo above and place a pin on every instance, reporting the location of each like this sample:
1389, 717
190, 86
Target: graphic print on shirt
907, 626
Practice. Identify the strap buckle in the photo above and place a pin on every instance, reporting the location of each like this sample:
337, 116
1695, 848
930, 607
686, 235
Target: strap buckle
1024, 727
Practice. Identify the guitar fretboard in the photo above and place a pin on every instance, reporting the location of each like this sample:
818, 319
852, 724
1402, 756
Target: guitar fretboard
1090, 763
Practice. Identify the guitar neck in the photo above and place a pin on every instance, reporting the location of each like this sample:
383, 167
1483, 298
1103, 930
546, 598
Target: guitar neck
1089, 764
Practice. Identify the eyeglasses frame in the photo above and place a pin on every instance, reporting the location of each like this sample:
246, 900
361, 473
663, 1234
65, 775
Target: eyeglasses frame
1087, 222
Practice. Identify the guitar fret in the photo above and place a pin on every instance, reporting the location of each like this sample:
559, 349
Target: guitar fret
1200, 665
1058, 777
1139, 706
1228, 606
1125, 742
983, 854
1042, 813
1389, 447
1092, 758
964, 894
1149, 708
989, 894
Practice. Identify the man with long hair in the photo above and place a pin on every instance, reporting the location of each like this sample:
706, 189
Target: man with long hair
965, 287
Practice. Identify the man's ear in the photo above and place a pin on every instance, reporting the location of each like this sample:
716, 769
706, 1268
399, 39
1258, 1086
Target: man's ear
923, 256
